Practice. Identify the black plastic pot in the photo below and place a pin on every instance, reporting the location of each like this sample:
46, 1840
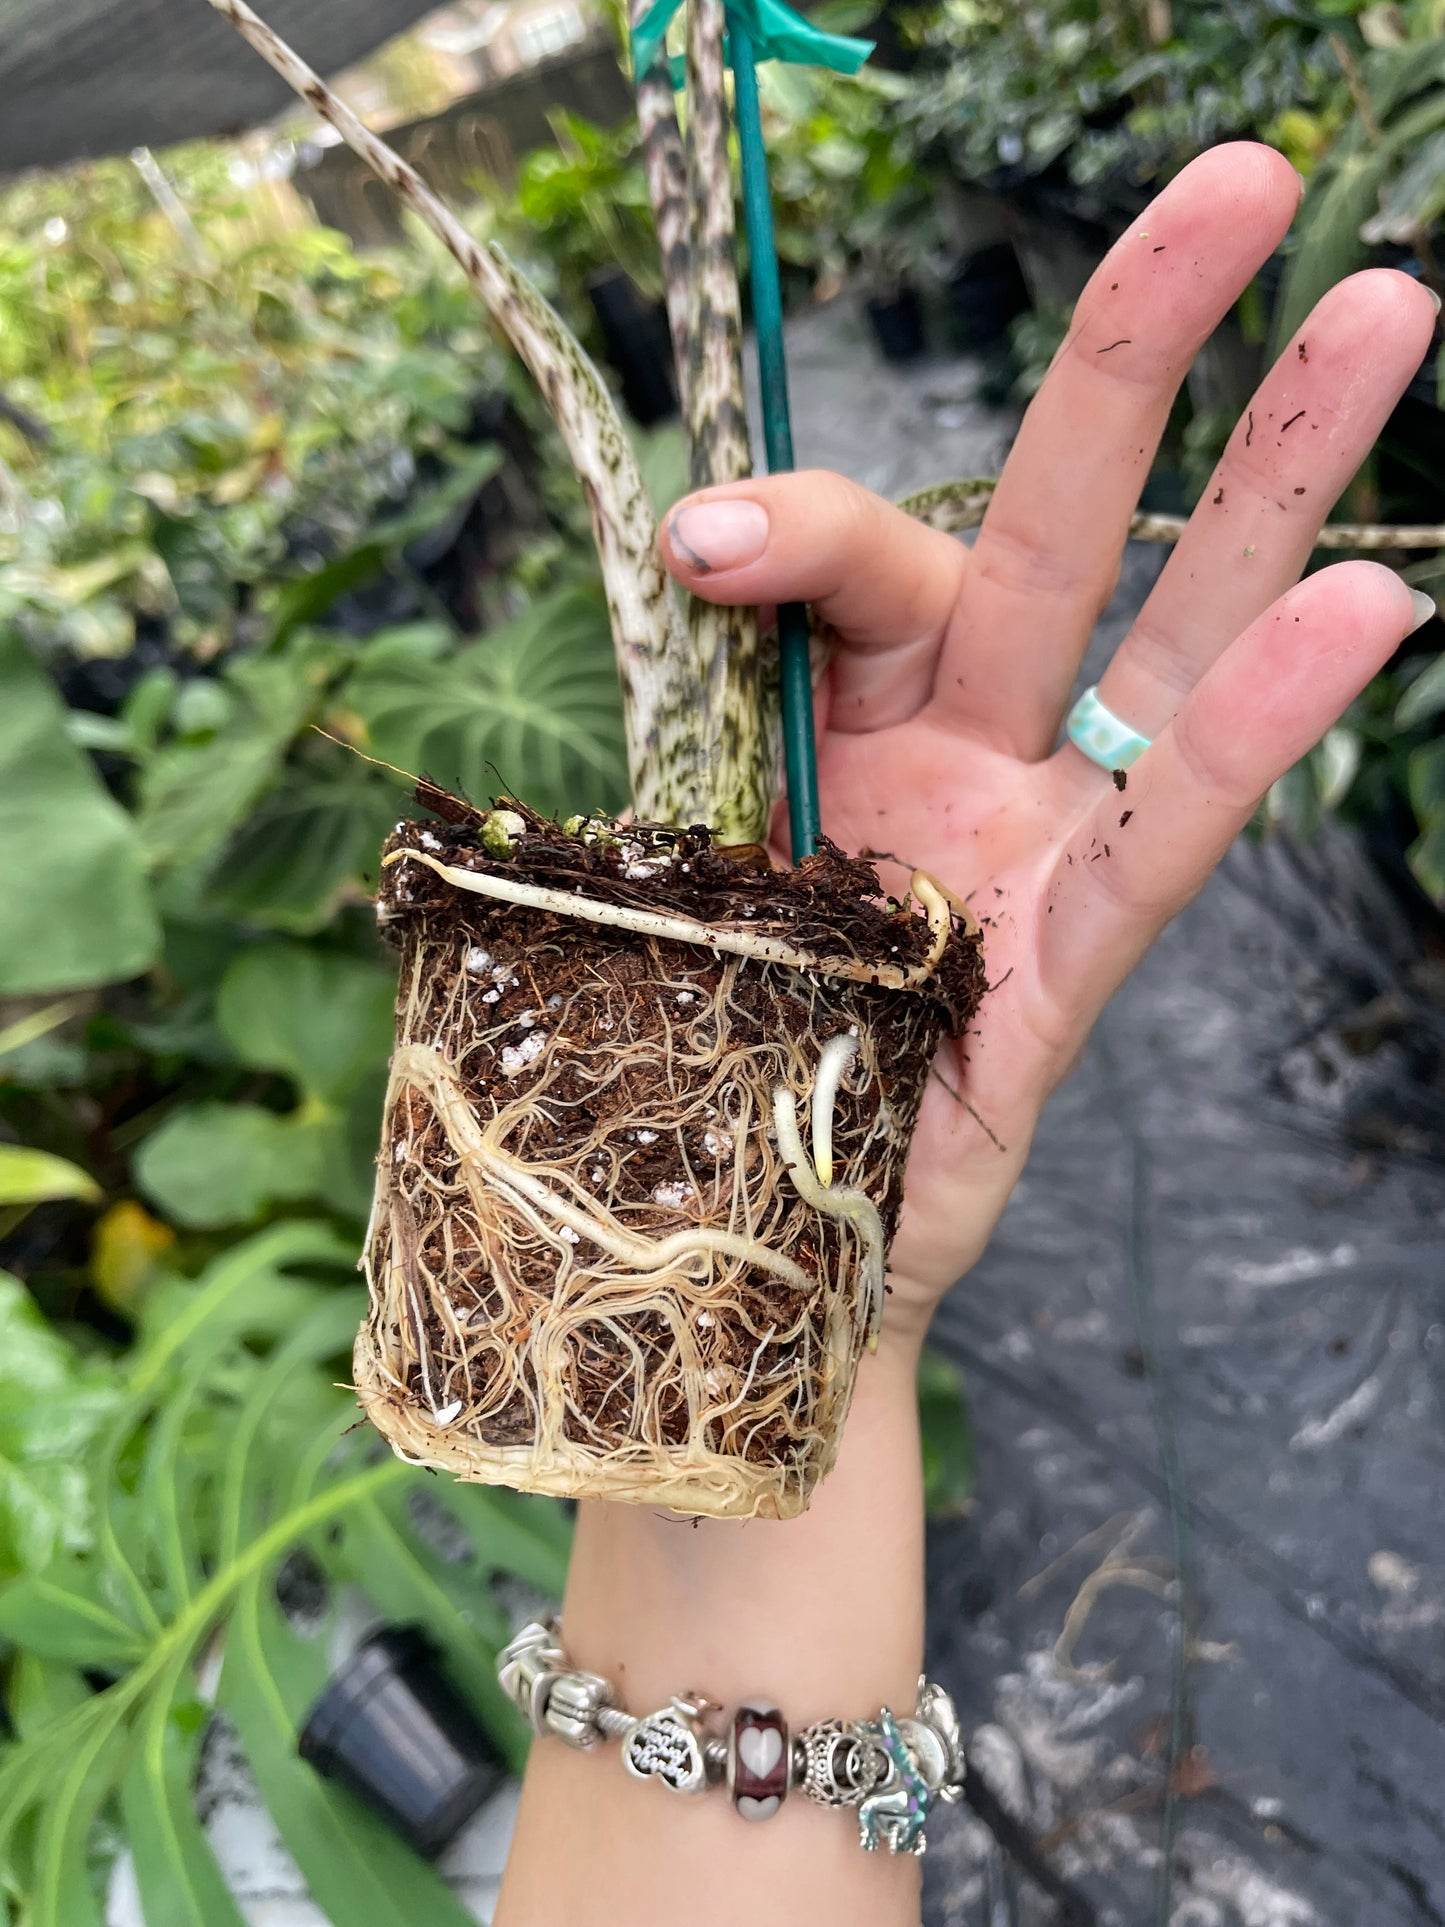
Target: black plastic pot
986, 292
390, 1727
897, 323
637, 344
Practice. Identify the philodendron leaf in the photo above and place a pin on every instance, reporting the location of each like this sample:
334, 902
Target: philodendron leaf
233, 1445
32, 1177
77, 909
532, 709
194, 793
219, 1164
322, 1018
52, 1404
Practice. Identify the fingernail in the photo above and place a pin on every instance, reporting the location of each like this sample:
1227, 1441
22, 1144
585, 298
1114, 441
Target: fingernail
1304, 186
720, 535
1424, 609
1435, 298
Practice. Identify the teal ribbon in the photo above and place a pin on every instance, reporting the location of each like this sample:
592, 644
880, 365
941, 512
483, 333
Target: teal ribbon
776, 31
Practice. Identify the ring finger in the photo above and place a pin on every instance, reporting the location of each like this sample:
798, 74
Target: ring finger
1309, 426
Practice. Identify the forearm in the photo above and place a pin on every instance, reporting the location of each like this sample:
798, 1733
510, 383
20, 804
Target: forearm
821, 1616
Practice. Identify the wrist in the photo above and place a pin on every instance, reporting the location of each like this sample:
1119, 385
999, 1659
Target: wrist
823, 1613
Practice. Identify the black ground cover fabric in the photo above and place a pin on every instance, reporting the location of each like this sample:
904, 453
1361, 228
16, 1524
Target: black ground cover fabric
81, 78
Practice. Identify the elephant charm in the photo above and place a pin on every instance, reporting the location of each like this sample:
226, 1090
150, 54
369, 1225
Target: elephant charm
895, 1812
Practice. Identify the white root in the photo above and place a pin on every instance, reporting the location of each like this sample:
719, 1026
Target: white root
737, 942
835, 1202
430, 1072
834, 1058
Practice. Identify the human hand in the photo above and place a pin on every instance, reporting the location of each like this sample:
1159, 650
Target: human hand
953, 667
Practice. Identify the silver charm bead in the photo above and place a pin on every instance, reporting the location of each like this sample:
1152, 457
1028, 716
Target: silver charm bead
573, 1706
838, 1766
667, 1746
528, 1667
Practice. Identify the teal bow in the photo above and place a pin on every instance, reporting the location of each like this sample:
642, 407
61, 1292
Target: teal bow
776, 31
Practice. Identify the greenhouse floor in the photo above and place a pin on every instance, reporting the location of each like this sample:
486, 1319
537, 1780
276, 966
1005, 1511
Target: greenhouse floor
1194, 1616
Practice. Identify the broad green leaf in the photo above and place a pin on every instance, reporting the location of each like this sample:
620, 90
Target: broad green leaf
179, 1881
1424, 698
218, 1164
42, 1691
51, 1407
31, 1177
532, 709
234, 1446
56, 1616
77, 909
1329, 245
1425, 781
948, 1458
194, 794
303, 850
1426, 858
323, 1018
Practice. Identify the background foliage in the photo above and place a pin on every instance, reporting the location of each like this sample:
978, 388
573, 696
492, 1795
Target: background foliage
254, 487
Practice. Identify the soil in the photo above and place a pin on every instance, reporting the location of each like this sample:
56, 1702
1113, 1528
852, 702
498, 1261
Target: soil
633, 1078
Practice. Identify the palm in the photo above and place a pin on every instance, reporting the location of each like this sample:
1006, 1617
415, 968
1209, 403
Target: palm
953, 668
997, 831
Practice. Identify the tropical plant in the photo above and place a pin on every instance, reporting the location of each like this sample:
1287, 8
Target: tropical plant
220, 1451
196, 417
1123, 94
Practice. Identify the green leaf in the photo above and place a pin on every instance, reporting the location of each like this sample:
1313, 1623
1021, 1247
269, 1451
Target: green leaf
1329, 245
304, 849
194, 794
77, 910
323, 1018
360, 1874
1425, 782
56, 1616
532, 709
311, 598
31, 1177
219, 1164
52, 1405
1424, 698
179, 1881
1426, 858
948, 1457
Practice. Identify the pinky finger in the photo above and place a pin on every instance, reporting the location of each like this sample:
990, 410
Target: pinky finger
1268, 699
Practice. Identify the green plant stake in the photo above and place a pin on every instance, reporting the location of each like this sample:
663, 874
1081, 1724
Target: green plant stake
770, 30
800, 754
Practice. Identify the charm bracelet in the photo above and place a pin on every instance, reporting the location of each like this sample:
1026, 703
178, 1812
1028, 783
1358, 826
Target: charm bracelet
891, 1770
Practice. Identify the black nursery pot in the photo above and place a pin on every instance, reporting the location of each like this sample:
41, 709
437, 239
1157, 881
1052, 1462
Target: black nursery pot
897, 323
986, 292
390, 1727
637, 344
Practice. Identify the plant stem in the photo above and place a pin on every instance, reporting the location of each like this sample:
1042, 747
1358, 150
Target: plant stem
799, 749
665, 164
740, 715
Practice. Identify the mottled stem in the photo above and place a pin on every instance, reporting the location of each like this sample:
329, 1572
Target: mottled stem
742, 707
668, 670
665, 164
956, 507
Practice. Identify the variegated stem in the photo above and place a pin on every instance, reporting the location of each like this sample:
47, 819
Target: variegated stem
742, 707
957, 506
665, 164
666, 673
